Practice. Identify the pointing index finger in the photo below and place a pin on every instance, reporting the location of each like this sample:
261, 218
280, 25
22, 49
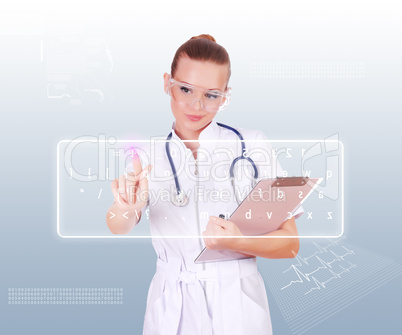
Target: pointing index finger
136, 162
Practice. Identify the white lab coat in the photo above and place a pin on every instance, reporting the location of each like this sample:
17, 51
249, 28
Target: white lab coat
220, 298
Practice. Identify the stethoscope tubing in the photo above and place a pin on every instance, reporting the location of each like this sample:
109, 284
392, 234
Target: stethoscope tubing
231, 170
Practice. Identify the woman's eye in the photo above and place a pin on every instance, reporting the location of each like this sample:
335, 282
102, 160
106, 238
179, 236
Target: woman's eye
185, 89
211, 96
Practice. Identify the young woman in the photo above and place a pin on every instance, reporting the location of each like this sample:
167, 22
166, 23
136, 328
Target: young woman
221, 297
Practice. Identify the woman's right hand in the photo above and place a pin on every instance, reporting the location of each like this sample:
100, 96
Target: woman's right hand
131, 192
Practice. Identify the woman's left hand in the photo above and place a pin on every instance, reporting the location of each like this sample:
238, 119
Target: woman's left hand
220, 227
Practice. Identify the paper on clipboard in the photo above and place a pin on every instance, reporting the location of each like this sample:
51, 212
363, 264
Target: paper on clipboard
266, 208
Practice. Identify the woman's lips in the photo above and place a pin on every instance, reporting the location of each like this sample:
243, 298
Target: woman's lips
194, 117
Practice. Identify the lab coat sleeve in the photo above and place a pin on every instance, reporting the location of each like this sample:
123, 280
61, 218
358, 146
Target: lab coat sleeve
267, 165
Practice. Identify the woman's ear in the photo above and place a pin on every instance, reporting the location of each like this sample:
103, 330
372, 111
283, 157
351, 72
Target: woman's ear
165, 82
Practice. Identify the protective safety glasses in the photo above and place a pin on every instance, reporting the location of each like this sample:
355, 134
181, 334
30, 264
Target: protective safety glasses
187, 94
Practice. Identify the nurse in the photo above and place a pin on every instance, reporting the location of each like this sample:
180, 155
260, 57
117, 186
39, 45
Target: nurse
224, 297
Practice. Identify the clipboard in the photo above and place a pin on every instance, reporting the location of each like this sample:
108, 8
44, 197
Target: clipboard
266, 208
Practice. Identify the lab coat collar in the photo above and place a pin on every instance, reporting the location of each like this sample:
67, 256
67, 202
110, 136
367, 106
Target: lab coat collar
210, 132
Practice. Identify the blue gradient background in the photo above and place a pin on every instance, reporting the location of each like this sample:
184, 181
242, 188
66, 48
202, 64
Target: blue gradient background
142, 38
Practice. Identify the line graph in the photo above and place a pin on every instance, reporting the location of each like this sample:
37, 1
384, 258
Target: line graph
326, 265
335, 275
323, 279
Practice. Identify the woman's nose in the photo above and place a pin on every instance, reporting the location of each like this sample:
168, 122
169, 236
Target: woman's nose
197, 106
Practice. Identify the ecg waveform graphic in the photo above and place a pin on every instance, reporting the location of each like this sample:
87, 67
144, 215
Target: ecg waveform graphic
326, 265
322, 280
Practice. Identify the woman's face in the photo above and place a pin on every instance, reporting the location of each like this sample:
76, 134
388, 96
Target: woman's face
200, 73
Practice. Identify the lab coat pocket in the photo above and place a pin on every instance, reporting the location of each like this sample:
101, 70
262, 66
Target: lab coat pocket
255, 305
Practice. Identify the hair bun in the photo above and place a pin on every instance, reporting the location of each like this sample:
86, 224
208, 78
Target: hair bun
205, 36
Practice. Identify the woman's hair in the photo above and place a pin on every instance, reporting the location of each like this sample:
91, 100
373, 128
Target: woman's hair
204, 48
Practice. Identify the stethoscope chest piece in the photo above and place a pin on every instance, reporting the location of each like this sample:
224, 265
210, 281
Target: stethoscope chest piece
179, 200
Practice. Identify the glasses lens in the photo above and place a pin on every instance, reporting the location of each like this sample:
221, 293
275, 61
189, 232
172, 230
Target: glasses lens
210, 100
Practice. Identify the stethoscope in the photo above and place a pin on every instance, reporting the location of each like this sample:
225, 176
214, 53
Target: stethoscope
180, 199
